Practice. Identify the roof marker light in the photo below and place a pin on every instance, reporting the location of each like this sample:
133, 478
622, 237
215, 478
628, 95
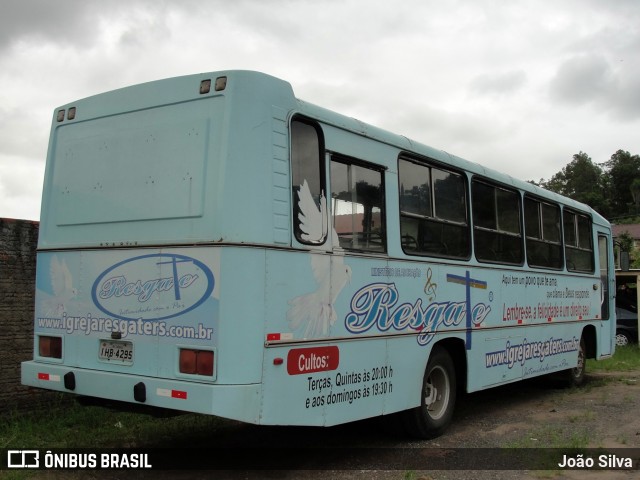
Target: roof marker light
205, 86
71, 114
221, 84
60, 115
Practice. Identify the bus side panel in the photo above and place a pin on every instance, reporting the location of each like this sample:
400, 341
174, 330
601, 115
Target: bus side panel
318, 383
242, 315
512, 324
326, 384
539, 318
340, 366
509, 355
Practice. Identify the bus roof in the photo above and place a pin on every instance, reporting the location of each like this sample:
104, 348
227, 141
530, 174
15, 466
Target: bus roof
411, 146
154, 108
131, 95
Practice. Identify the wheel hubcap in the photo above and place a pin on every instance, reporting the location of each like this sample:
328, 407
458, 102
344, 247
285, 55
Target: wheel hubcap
436, 394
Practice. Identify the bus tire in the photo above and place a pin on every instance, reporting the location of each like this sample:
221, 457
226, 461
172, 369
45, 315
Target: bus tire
437, 399
574, 377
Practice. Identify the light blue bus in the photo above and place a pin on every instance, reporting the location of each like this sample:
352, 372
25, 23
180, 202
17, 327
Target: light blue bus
212, 244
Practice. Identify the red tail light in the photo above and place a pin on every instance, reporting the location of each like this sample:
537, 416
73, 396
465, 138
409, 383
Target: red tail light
205, 363
50, 347
187, 361
196, 362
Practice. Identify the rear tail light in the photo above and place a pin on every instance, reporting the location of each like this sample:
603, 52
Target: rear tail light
205, 363
188, 361
50, 347
196, 362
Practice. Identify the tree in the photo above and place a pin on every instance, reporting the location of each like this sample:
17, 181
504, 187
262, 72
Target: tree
581, 180
635, 194
623, 170
625, 241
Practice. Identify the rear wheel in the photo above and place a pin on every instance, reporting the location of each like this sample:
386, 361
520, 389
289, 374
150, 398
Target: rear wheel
575, 376
438, 397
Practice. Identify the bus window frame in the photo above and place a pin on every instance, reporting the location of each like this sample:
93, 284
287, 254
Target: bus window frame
349, 161
541, 240
475, 228
466, 226
576, 232
295, 209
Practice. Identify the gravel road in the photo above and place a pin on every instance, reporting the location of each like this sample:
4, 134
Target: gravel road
531, 414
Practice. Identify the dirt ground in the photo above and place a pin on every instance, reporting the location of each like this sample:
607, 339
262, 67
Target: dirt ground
531, 414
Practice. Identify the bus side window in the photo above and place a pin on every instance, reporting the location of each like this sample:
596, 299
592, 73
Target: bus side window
578, 242
308, 182
497, 232
433, 211
357, 206
543, 235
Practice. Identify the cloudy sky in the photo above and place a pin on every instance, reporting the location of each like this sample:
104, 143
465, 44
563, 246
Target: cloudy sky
517, 85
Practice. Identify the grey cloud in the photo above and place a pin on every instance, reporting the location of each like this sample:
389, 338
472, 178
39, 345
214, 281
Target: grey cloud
72, 22
500, 83
582, 79
591, 79
43, 20
625, 100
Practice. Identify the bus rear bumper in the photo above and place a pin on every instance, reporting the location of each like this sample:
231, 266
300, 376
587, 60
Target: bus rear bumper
238, 402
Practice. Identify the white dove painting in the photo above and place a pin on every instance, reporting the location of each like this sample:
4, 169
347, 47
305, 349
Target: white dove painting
62, 285
314, 312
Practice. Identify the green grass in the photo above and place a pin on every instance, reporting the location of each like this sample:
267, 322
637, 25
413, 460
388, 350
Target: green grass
66, 424
552, 436
69, 425
625, 359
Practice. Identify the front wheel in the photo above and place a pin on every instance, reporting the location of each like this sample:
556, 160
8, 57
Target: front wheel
438, 397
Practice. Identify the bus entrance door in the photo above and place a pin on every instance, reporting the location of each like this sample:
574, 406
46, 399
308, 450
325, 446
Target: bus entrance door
607, 287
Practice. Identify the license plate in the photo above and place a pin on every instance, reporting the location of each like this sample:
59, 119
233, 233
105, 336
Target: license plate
116, 351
